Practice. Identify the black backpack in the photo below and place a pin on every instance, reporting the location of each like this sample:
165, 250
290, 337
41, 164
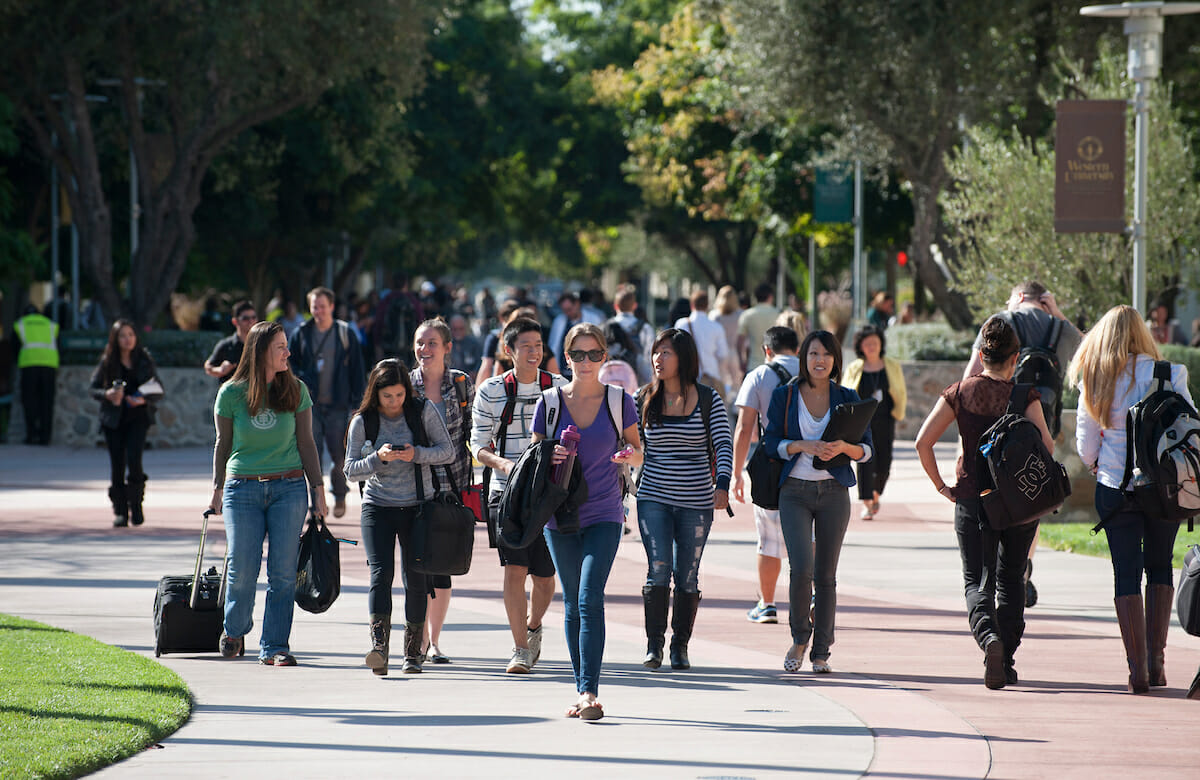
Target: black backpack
764, 468
1163, 442
1019, 480
1038, 365
621, 344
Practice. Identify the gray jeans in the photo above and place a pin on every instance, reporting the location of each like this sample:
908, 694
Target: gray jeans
813, 517
329, 431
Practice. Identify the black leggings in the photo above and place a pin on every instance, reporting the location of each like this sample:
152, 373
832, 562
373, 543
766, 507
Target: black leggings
382, 526
873, 475
126, 443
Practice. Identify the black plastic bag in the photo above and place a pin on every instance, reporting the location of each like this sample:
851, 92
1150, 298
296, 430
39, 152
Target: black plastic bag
319, 575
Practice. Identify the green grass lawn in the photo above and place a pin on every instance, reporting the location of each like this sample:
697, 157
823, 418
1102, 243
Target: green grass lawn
1078, 538
70, 705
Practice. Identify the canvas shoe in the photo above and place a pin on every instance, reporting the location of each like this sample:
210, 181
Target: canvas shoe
763, 613
520, 663
534, 636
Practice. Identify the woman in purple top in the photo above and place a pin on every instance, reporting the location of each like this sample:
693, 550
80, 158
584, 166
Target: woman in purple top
584, 559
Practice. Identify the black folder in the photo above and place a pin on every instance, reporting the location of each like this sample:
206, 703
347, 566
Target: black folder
847, 422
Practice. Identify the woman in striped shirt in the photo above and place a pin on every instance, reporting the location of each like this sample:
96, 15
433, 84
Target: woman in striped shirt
676, 496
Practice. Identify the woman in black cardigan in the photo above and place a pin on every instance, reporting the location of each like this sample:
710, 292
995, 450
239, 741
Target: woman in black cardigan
126, 413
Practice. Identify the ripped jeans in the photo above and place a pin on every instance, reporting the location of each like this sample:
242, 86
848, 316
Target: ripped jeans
674, 538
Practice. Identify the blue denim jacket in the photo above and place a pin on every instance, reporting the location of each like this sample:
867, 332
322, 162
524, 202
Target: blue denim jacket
779, 429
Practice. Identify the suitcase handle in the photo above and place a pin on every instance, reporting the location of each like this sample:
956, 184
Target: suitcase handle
194, 599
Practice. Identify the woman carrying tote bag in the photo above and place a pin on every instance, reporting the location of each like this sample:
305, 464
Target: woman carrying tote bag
391, 503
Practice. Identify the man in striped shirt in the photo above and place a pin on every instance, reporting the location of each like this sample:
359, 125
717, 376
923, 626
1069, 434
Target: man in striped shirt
498, 447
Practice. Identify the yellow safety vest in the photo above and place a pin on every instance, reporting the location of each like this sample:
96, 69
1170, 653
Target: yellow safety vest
39, 341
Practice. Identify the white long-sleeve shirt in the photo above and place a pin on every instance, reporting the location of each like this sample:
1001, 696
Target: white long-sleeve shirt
710, 342
1104, 448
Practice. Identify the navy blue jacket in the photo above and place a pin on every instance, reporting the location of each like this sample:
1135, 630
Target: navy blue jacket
349, 376
779, 429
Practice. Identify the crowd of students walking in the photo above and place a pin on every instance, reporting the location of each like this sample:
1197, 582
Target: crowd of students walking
415, 418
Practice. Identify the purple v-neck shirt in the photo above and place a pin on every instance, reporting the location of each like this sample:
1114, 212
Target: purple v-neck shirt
597, 444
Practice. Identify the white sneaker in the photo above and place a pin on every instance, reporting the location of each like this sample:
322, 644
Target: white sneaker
520, 663
534, 637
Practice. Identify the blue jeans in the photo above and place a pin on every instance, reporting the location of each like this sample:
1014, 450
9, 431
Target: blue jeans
674, 538
583, 561
255, 511
329, 430
813, 517
1136, 542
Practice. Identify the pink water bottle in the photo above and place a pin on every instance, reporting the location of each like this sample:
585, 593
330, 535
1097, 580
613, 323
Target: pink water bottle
570, 441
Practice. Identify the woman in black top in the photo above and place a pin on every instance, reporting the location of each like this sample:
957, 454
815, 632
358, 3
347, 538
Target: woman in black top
874, 375
126, 413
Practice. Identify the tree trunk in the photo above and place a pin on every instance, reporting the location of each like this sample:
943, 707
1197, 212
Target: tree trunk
924, 232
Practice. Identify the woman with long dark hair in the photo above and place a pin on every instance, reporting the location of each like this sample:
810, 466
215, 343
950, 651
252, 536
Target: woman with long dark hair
451, 393
993, 562
411, 435
814, 504
584, 558
264, 452
874, 375
676, 495
1114, 368
127, 404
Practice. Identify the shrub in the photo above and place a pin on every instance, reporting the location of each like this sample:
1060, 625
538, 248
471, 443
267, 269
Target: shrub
170, 348
929, 341
1189, 357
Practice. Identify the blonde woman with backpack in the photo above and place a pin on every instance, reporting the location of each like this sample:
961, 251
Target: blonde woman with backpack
1114, 368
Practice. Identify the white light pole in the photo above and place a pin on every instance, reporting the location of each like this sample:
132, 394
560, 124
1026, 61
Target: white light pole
1144, 26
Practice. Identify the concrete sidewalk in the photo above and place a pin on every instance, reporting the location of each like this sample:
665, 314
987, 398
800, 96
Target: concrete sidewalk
906, 699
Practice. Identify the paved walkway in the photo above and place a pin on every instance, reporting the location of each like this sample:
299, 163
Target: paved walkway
906, 699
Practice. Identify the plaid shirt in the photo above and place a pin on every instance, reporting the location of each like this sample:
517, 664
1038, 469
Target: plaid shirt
458, 419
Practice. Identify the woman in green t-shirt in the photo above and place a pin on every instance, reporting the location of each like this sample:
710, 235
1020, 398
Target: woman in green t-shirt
265, 445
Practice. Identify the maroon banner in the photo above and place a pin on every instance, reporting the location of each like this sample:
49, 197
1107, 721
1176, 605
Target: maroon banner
1089, 167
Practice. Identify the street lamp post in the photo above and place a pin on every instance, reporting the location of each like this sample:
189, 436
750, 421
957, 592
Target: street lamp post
1144, 27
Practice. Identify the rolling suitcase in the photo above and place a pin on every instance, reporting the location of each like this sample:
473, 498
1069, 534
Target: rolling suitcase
189, 609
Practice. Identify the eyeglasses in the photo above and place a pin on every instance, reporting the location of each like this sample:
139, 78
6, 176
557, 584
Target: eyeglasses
248, 318
578, 355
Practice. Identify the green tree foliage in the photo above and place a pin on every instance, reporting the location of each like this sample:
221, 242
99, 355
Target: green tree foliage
709, 171
901, 77
19, 257
213, 70
1000, 210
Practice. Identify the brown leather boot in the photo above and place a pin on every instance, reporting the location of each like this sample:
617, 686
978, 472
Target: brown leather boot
1158, 620
381, 636
414, 634
1132, 619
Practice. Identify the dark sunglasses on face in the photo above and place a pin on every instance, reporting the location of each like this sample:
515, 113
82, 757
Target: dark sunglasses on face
594, 355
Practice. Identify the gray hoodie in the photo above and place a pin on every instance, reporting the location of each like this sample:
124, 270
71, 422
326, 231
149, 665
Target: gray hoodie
395, 483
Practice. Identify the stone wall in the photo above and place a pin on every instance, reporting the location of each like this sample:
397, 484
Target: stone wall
925, 381
184, 415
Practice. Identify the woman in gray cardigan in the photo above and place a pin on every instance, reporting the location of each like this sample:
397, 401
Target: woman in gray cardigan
411, 436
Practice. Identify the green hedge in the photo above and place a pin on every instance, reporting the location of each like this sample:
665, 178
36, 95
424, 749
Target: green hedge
929, 341
170, 348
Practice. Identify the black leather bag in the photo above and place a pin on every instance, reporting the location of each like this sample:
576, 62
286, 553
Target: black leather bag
765, 473
319, 574
443, 533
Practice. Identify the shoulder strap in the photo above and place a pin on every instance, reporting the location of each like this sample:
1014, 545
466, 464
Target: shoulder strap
613, 403
510, 399
1016, 400
1054, 334
706, 400
1162, 372
780, 372
554, 401
1129, 445
545, 379
459, 380
793, 387
371, 424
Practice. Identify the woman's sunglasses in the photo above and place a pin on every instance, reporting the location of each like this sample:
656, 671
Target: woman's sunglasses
578, 355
